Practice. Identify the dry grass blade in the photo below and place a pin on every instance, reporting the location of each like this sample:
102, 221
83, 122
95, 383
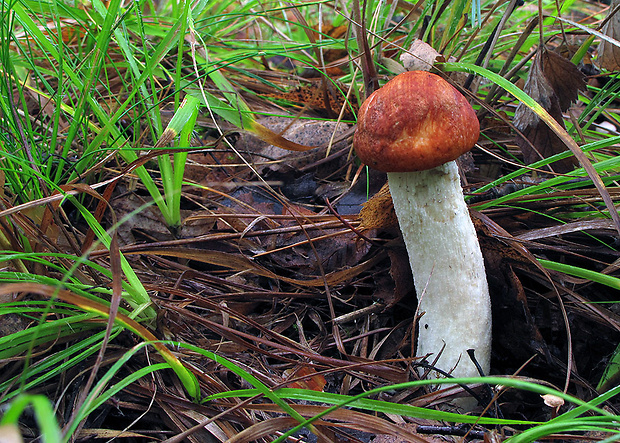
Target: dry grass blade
340, 419
567, 228
258, 344
242, 264
369, 72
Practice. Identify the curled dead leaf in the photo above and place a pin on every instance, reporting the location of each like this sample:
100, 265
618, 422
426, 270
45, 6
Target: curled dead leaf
554, 82
420, 57
378, 211
553, 401
609, 53
305, 377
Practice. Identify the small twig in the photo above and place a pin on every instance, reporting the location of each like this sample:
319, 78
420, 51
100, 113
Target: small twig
350, 316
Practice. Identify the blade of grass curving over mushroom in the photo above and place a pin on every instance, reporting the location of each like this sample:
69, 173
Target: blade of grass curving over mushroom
553, 125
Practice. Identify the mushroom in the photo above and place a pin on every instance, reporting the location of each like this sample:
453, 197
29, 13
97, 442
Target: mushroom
414, 128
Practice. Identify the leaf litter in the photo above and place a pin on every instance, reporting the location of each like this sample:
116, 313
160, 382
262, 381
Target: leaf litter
274, 276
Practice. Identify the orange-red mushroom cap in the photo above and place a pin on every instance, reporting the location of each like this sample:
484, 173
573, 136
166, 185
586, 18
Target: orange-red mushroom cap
417, 121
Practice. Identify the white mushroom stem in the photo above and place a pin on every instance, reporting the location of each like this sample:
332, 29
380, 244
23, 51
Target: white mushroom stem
448, 268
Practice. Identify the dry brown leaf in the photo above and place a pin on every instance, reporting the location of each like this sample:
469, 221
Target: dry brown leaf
554, 82
378, 212
306, 377
565, 78
608, 53
269, 158
553, 401
420, 56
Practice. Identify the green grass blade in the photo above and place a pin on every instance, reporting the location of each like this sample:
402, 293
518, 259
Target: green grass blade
597, 277
550, 122
43, 412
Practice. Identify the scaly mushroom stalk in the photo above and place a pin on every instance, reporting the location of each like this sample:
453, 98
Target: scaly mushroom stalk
447, 265
413, 128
